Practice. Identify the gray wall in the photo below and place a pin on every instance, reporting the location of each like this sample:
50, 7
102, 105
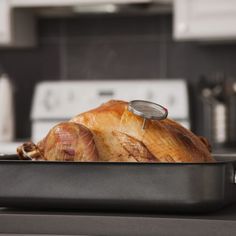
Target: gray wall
111, 47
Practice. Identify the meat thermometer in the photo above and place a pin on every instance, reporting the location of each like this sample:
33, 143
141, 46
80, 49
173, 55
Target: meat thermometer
147, 110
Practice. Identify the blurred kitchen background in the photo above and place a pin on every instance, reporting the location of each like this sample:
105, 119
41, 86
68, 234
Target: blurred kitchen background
180, 43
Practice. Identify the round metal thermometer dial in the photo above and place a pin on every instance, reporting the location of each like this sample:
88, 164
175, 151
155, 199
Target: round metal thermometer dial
147, 110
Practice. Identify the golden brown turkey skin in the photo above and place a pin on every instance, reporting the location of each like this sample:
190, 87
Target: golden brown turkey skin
69, 142
116, 130
112, 133
65, 142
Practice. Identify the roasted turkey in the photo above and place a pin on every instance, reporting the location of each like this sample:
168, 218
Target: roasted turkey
112, 133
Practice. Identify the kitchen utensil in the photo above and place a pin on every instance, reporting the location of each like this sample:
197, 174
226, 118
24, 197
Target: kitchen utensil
166, 187
214, 97
147, 110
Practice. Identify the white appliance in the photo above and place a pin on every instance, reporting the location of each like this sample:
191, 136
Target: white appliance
59, 101
6, 109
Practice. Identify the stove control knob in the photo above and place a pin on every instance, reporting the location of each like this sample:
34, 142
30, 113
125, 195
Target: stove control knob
171, 101
50, 101
71, 96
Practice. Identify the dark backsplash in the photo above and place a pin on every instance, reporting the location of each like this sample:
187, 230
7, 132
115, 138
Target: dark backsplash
111, 47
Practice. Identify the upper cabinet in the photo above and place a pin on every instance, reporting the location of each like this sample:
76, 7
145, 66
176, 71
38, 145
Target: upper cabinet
204, 19
4, 21
193, 19
46, 3
16, 26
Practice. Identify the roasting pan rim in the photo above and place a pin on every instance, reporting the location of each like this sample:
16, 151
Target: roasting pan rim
220, 159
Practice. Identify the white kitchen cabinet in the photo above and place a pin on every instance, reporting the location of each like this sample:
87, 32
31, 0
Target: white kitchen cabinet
16, 26
17, 18
204, 19
4, 21
57, 3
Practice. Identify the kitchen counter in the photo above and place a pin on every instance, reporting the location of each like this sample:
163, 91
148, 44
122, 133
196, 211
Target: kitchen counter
15, 222
10, 147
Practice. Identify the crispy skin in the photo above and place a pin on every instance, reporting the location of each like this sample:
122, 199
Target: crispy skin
68, 142
115, 131
102, 122
134, 148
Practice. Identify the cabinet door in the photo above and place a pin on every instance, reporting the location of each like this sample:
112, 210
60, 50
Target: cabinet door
4, 22
58, 3
205, 19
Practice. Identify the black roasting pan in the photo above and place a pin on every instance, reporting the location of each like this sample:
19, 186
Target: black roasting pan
157, 187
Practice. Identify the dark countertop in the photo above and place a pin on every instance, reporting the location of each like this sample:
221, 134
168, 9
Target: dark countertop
13, 222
